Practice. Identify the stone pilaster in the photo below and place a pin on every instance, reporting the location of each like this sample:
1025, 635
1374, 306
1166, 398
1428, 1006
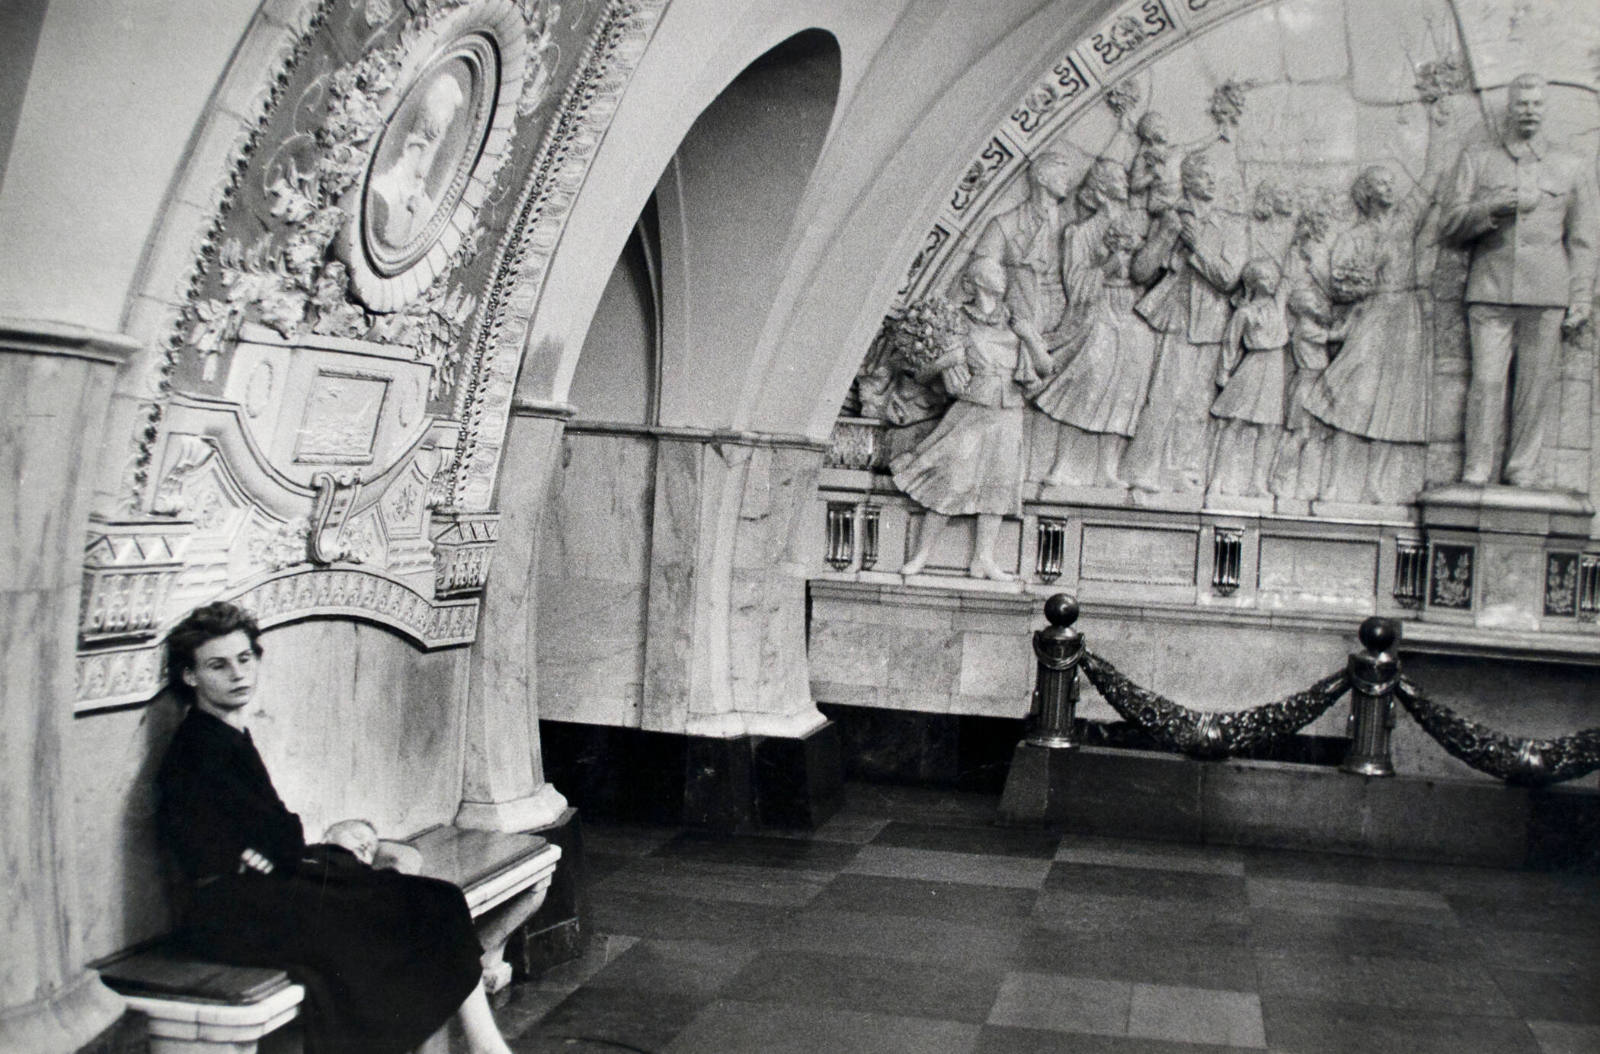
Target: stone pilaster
55, 385
504, 787
725, 653
725, 650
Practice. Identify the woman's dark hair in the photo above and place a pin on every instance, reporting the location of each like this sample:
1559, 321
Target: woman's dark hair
204, 623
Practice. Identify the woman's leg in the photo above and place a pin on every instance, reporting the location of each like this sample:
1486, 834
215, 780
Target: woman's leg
986, 535
477, 1021
933, 524
1267, 439
1112, 447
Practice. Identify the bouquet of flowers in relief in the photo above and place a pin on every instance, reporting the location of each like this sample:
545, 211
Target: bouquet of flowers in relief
926, 335
1353, 282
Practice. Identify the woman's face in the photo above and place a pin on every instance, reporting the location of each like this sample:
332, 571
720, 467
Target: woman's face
224, 673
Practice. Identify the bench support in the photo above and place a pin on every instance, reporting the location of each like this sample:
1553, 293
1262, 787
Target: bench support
500, 902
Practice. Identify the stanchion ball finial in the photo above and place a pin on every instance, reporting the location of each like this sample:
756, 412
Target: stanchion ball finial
1378, 634
1061, 610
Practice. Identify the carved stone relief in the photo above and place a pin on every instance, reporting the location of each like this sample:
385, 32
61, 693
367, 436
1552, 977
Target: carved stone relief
1266, 295
1317, 277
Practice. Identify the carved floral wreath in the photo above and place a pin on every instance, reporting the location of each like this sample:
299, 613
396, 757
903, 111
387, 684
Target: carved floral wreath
321, 275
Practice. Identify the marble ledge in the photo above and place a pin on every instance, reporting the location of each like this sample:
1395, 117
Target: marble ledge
785, 726
842, 484
932, 591
1436, 635
1431, 638
684, 434
547, 408
36, 336
1508, 510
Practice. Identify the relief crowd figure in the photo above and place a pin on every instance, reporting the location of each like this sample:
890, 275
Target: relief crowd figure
1374, 393
1192, 353
971, 464
1026, 241
1103, 353
1253, 375
1193, 253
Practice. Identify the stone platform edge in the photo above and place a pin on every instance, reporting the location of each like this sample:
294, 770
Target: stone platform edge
1142, 794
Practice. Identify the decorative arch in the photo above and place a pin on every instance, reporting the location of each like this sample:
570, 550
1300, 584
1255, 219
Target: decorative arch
728, 201
363, 383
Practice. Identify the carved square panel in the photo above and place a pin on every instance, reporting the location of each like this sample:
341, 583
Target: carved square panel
1149, 555
1561, 584
981, 175
1450, 577
1318, 567
340, 425
1129, 32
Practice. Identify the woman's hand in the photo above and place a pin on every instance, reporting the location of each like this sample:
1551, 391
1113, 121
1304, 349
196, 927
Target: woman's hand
250, 860
957, 378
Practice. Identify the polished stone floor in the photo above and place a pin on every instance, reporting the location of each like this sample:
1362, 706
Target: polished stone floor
911, 923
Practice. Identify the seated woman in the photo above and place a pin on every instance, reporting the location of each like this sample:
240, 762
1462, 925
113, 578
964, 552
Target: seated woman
386, 958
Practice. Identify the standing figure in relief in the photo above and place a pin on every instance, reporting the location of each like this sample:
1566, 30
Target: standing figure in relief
1196, 251
972, 463
1375, 393
1026, 241
1249, 412
1154, 184
1528, 213
1103, 371
1297, 472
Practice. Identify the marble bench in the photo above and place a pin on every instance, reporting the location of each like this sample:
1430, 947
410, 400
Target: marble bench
196, 1006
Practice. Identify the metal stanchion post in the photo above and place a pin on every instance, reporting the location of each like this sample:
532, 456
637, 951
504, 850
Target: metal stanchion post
1374, 673
1059, 649
1036, 785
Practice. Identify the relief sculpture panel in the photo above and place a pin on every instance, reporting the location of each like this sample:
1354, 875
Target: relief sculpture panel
1335, 265
1261, 295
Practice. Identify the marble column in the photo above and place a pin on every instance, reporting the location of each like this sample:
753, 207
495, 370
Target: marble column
725, 654
771, 680
504, 787
55, 386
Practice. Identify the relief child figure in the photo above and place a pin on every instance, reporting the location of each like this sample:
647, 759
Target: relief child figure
1249, 413
1297, 469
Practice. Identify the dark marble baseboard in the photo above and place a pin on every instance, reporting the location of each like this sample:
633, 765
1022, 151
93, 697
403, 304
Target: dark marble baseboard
129, 1034
741, 783
555, 933
973, 753
1138, 794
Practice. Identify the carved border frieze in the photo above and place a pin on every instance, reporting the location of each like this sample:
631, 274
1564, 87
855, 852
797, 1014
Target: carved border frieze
1094, 69
463, 546
128, 575
483, 405
116, 676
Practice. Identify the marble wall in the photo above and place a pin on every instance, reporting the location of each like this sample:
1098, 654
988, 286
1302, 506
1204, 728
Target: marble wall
936, 651
593, 580
55, 383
